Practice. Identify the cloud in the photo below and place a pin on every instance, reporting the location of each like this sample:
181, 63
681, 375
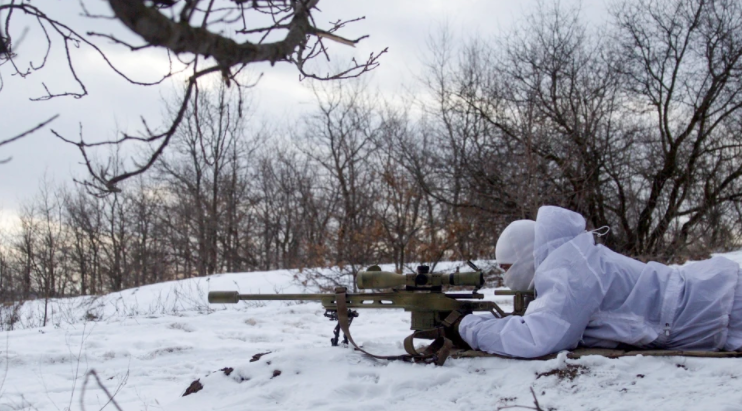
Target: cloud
113, 104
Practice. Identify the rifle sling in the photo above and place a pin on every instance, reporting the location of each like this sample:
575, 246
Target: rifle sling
435, 353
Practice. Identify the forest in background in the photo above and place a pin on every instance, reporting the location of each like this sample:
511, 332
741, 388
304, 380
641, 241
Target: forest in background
638, 126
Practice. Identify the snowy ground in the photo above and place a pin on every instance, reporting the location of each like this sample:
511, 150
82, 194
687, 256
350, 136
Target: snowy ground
148, 345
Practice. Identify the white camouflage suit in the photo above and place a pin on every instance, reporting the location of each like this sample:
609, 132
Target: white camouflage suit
590, 296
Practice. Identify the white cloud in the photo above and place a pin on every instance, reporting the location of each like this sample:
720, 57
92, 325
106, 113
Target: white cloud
113, 104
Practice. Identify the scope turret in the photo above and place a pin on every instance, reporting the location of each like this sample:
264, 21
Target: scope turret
385, 279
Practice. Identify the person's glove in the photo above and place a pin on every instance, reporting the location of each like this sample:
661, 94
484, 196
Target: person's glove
452, 329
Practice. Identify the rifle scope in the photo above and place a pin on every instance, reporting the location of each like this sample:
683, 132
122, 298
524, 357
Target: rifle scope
385, 279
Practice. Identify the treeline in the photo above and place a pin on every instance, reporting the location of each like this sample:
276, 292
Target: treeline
637, 126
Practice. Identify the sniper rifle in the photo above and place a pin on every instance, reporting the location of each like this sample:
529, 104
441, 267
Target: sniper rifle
420, 293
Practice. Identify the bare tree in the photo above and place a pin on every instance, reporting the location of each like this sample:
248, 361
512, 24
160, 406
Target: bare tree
398, 198
238, 248
149, 257
83, 216
551, 94
318, 204
199, 37
50, 271
473, 175
682, 64
25, 246
637, 130
209, 140
297, 207
8, 276
278, 213
117, 241
341, 137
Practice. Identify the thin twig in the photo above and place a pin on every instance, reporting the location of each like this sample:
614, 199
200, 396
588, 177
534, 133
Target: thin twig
30, 131
536, 406
111, 397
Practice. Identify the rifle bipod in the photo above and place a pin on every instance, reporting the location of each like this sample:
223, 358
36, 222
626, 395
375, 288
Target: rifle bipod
333, 316
435, 353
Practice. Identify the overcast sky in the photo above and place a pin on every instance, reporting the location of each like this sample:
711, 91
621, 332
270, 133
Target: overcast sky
113, 104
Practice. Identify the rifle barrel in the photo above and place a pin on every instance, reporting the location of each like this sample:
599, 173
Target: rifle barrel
233, 297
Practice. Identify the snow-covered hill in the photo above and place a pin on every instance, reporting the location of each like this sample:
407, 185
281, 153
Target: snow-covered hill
148, 345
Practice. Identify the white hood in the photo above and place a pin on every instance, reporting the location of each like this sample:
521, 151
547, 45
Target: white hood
556, 227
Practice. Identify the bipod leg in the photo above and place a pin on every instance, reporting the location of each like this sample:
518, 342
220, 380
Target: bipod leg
333, 316
334, 340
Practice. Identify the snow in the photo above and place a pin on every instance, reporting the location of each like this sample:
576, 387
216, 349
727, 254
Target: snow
148, 345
